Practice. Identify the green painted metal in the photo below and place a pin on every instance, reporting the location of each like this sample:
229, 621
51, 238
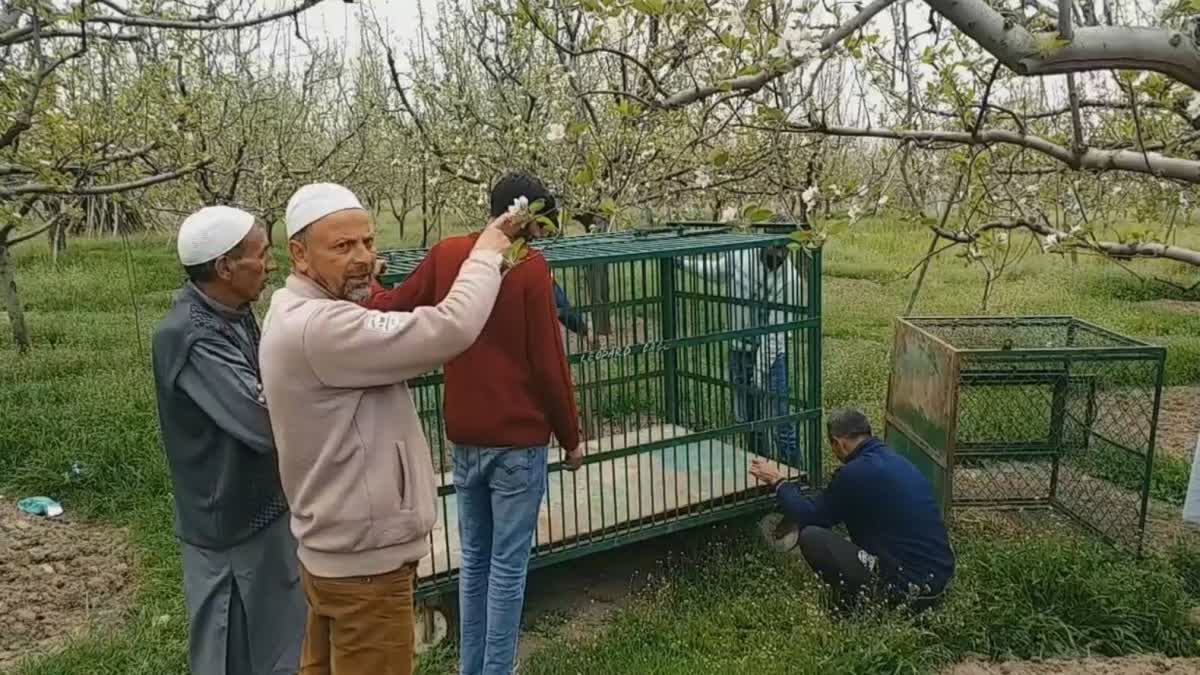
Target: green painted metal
1018, 411
667, 449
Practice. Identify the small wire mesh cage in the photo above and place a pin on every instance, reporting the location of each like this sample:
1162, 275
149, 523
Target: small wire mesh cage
1029, 411
692, 350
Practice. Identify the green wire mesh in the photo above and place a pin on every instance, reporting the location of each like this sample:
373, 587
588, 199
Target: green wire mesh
670, 414
1030, 411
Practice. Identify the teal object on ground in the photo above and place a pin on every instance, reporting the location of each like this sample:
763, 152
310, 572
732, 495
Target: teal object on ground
40, 506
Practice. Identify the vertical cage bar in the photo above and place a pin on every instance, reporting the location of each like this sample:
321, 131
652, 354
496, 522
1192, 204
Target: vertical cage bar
815, 441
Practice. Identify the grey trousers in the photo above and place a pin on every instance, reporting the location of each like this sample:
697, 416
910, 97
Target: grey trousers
246, 609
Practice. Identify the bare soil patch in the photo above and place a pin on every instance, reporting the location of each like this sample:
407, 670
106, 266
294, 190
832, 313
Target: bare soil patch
1179, 421
57, 577
1126, 665
1180, 306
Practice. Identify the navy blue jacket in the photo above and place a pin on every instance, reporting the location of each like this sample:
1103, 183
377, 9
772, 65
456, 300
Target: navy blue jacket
568, 317
889, 509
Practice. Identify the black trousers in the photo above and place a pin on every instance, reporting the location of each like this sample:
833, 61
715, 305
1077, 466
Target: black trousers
839, 564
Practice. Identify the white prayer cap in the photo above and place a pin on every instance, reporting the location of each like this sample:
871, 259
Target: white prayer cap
212, 232
315, 201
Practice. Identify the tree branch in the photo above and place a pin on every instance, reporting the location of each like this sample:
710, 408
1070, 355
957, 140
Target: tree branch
205, 23
1090, 159
752, 83
1109, 248
113, 188
1166, 51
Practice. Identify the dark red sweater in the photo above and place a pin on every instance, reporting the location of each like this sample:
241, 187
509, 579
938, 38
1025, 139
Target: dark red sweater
513, 386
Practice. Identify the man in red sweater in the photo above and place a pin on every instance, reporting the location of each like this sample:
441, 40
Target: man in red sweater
503, 398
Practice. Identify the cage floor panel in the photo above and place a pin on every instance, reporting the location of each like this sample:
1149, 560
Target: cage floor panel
616, 491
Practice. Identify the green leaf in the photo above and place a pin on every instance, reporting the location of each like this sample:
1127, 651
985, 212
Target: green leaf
577, 128
608, 206
772, 114
537, 206
752, 69
719, 158
516, 252
583, 177
650, 7
1047, 44
756, 214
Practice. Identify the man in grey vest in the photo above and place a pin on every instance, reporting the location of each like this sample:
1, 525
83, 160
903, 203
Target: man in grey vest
245, 606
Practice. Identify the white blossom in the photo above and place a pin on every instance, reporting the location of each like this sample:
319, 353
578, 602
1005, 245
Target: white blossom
729, 214
797, 42
883, 200
614, 26
1002, 237
1075, 230
519, 204
703, 180
1051, 241
812, 194
855, 213
555, 132
1193, 109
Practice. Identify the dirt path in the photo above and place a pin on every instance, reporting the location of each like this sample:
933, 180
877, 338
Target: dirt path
1179, 421
56, 577
1129, 665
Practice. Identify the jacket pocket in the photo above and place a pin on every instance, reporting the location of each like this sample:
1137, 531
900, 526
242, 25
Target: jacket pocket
384, 478
395, 491
403, 474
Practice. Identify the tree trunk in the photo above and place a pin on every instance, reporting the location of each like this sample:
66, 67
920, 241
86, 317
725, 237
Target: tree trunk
598, 292
424, 209
12, 301
58, 241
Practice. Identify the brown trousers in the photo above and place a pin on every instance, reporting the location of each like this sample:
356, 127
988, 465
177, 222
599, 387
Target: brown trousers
359, 625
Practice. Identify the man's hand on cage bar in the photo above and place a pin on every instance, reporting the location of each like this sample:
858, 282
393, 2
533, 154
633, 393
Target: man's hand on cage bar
764, 471
574, 459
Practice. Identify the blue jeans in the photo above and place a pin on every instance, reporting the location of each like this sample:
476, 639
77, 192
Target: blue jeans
751, 402
499, 491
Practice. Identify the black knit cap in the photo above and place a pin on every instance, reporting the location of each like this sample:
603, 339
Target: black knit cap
520, 184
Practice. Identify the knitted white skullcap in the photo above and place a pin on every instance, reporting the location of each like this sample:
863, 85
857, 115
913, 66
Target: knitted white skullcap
212, 232
315, 201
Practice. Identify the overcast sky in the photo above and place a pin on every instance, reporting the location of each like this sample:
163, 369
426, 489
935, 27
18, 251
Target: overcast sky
340, 21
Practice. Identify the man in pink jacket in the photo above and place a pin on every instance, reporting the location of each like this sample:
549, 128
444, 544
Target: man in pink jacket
354, 462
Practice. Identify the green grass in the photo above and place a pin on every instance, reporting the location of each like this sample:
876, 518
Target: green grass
85, 395
735, 608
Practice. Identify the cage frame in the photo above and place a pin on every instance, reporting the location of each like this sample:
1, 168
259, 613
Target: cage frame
702, 239
901, 433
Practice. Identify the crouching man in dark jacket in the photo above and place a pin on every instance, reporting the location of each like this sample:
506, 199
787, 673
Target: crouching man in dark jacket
898, 552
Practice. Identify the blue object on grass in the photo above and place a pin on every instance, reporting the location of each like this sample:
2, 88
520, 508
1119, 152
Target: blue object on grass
40, 506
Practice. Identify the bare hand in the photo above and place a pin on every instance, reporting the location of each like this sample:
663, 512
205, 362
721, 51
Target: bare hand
574, 459
764, 471
492, 239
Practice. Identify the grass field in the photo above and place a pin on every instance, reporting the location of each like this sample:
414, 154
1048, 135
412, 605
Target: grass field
726, 606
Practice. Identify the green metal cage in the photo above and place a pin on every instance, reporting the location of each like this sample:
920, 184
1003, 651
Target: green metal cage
1029, 412
670, 425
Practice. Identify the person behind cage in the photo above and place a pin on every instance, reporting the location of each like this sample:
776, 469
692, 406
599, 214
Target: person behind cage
898, 552
761, 284
503, 398
244, 603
